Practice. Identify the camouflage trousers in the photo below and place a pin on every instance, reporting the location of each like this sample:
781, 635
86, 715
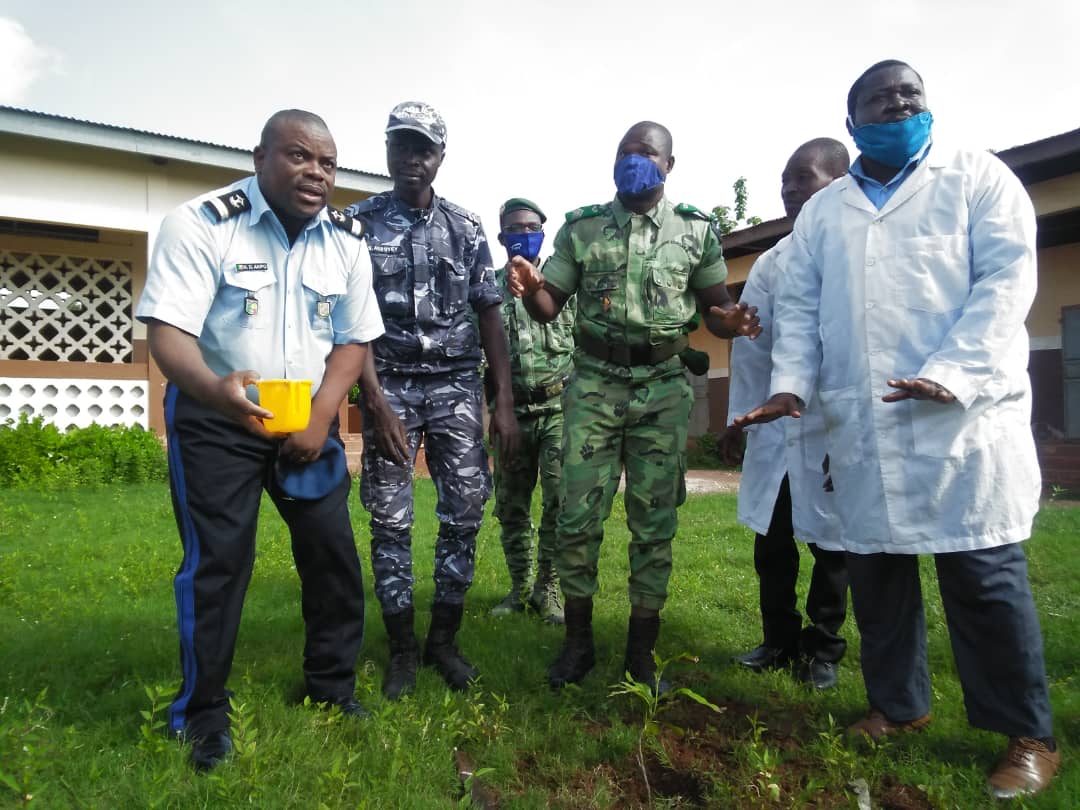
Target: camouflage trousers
611, 425
540, 451
445, 411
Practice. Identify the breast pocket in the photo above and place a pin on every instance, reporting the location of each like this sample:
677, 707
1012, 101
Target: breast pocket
666, 291
244, 298
932, 273
453, 286
392, 288
321, 293
601, 294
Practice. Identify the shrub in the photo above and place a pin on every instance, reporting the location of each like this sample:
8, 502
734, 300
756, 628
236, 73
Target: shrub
34, 454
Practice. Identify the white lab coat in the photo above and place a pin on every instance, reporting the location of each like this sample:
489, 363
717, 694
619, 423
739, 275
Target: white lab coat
936, 284
795, 447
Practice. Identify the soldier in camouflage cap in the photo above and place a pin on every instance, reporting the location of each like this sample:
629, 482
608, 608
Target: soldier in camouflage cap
541, 359
435, 284
641, 268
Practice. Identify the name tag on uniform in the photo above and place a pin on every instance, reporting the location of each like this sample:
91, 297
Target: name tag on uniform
251, 305
251, 267
322, 308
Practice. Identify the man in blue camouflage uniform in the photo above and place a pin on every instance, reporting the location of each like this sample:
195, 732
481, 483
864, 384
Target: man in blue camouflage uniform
541, 359
435, 284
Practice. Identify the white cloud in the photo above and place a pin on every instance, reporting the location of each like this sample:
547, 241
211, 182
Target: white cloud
22, 61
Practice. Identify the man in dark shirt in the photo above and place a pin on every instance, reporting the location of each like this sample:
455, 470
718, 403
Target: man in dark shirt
435, 284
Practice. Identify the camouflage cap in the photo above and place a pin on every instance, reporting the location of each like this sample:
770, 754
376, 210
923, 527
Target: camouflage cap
519, 203
419, 117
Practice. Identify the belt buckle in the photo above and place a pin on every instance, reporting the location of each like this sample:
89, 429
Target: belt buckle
554, 389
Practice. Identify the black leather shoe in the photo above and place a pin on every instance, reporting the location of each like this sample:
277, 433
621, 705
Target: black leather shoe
818, 674
208, 752
763, 658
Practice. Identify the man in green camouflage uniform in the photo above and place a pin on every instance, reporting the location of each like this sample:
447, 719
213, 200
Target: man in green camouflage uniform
641, 268
541, 359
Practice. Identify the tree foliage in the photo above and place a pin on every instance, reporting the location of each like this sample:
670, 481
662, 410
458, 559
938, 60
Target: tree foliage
727, 218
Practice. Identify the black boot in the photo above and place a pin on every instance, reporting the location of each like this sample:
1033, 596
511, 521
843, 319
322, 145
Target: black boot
400, 678
641, 638
442, 653
577, 655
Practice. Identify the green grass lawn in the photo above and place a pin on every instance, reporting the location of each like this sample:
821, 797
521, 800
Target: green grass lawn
88, 662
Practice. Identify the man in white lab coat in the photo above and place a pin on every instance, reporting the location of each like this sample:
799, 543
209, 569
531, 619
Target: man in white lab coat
781, 492
906, 288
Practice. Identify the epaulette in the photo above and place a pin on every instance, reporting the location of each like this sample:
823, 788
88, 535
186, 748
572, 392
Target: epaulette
585, 212
350, 225
227, 206
457, 209
690, 211
376, 202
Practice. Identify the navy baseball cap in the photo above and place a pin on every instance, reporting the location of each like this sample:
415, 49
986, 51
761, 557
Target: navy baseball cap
419, 117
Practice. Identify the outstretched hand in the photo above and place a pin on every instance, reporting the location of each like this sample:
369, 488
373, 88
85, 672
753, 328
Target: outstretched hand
773, 408
522, 278
230, 398
738, 319
918, 388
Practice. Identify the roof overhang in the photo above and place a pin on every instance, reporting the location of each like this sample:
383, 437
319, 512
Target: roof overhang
154, 146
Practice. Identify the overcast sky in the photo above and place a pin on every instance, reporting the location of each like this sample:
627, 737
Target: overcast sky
536, 96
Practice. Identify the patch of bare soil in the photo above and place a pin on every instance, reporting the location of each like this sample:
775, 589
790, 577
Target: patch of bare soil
704, 750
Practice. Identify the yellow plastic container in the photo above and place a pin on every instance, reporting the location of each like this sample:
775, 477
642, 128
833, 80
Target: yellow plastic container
289, 401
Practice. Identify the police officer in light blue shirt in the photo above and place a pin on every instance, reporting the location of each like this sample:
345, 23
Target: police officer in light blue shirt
260, 279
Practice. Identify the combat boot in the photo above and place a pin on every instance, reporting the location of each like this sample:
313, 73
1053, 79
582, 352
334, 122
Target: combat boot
400, 678
545, 594
577, 655
641, 638
513, 602
441, 652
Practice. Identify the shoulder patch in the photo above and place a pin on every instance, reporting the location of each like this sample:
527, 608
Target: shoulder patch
376, 202
227, 205
688, 210
350, 225
585, 212
457, 209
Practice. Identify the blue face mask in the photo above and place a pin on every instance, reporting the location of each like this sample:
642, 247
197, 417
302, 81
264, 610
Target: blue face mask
895, 143
636, 175
527, 245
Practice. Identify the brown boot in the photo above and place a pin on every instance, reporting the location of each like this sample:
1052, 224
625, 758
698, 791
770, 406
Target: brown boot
1026, 768
877, 726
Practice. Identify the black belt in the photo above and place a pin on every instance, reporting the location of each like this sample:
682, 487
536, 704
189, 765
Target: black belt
535, 396
622, 355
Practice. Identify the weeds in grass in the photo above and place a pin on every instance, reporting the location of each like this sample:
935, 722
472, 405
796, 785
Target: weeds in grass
763, 760
23, 724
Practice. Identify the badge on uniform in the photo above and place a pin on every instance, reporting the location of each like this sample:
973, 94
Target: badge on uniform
322, 308
251, 305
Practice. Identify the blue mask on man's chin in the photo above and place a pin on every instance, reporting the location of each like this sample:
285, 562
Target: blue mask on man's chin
896, 142
527, 245
636, 175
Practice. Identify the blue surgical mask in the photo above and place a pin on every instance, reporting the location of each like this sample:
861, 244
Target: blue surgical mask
636, 175
896, 142
527, 245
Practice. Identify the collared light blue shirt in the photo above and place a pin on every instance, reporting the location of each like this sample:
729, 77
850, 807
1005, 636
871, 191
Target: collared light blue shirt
879, 193
252, 300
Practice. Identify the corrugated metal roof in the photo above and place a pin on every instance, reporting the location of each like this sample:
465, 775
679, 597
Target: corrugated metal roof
64, 129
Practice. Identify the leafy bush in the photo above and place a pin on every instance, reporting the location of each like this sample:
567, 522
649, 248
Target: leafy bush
34, 454
703, 453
